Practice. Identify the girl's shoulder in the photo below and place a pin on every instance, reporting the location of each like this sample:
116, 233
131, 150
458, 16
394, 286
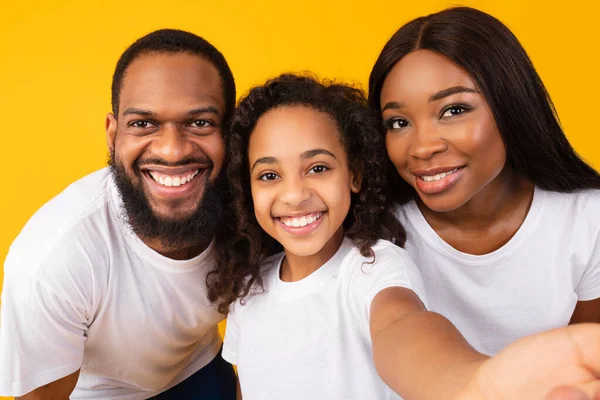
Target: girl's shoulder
383, 252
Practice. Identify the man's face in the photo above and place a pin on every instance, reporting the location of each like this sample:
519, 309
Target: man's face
167, 147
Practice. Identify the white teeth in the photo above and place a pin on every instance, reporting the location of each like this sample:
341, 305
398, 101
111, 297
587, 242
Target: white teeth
173, 181
438, 176
302, 221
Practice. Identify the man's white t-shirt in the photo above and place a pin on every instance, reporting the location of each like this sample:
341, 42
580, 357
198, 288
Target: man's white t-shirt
81, 290
310, 339
529, 285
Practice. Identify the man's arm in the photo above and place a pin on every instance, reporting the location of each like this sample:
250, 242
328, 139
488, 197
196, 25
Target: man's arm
58, 390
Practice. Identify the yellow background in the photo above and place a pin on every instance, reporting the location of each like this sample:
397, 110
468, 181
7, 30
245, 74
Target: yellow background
57, 59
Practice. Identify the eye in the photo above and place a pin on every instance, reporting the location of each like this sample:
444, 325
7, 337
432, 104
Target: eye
455, 110
396, 123
269, 176
318, 169
201, 123
141, 124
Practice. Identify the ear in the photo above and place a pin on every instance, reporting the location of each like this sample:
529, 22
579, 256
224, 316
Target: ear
111, 130
355, 182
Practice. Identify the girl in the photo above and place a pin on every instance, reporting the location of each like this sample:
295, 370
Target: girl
340, 311
503, 218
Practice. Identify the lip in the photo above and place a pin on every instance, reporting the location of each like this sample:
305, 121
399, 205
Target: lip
174, 170
433, 170
175, 192
301, 230
439, 186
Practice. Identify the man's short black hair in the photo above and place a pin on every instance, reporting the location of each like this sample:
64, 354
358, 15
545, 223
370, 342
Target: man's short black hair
175, 41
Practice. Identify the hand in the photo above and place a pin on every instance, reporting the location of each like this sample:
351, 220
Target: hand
569, 393
560, 364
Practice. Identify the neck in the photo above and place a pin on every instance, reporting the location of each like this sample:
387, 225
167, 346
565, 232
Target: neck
185, 251
295, 267
496, 202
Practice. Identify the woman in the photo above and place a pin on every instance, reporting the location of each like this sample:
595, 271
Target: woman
503, 217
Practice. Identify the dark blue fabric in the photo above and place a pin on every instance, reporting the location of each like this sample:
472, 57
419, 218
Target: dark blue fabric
216, 381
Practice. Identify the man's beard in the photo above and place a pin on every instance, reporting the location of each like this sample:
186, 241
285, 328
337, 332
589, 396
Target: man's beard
174, 231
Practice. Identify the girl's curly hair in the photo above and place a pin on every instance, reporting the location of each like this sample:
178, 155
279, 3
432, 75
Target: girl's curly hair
241, 244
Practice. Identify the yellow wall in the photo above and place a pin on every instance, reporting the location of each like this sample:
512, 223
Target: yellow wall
57, 58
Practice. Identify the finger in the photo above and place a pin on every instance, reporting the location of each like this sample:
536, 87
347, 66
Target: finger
586, 338
567, 393
591, 390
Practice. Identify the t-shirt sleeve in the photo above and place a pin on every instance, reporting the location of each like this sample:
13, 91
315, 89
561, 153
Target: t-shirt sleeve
230, 344
42, 330
589, 284
392, 268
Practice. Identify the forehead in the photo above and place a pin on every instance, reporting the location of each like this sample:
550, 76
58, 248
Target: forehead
423, 72
288, 131
163, 81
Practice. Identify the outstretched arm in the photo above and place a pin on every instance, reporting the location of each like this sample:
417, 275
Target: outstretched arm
421, 355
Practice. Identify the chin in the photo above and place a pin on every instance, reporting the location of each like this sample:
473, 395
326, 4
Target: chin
442, 204
304, 250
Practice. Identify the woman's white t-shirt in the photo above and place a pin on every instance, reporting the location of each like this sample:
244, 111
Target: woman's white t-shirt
529, 285
310, 339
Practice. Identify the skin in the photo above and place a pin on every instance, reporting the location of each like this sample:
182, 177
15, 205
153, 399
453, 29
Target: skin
171, 108
438, 120
298, 167
288, 178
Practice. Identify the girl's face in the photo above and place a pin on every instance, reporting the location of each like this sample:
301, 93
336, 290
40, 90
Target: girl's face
441, 135
300, 180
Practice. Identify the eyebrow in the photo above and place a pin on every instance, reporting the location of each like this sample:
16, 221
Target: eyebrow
392, 105
305, 156
450, 91
195, 111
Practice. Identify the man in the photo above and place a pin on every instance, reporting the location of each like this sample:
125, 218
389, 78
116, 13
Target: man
105, 288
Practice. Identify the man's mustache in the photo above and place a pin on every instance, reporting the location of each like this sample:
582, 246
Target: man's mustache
183, 162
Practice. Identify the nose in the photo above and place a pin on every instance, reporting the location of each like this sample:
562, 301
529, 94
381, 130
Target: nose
172, 145
426, 142
294, 192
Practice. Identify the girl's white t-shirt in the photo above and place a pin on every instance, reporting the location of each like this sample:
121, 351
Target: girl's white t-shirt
529, 285
310, 339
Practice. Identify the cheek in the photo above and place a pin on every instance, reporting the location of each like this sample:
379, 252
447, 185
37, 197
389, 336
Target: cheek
215, 150
262, 204
396, 150
129, 149
339, 199
487, 148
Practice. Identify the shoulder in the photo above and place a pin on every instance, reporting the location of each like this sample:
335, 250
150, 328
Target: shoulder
66, 226
384, 253
580, 209
269, 270
581, 200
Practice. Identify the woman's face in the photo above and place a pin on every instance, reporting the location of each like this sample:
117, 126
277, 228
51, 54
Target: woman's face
441, 135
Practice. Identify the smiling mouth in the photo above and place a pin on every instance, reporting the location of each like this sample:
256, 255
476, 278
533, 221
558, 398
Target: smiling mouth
301, 221
173, 180
440, 176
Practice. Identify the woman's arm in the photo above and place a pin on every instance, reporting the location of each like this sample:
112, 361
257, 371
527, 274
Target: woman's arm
421, 355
